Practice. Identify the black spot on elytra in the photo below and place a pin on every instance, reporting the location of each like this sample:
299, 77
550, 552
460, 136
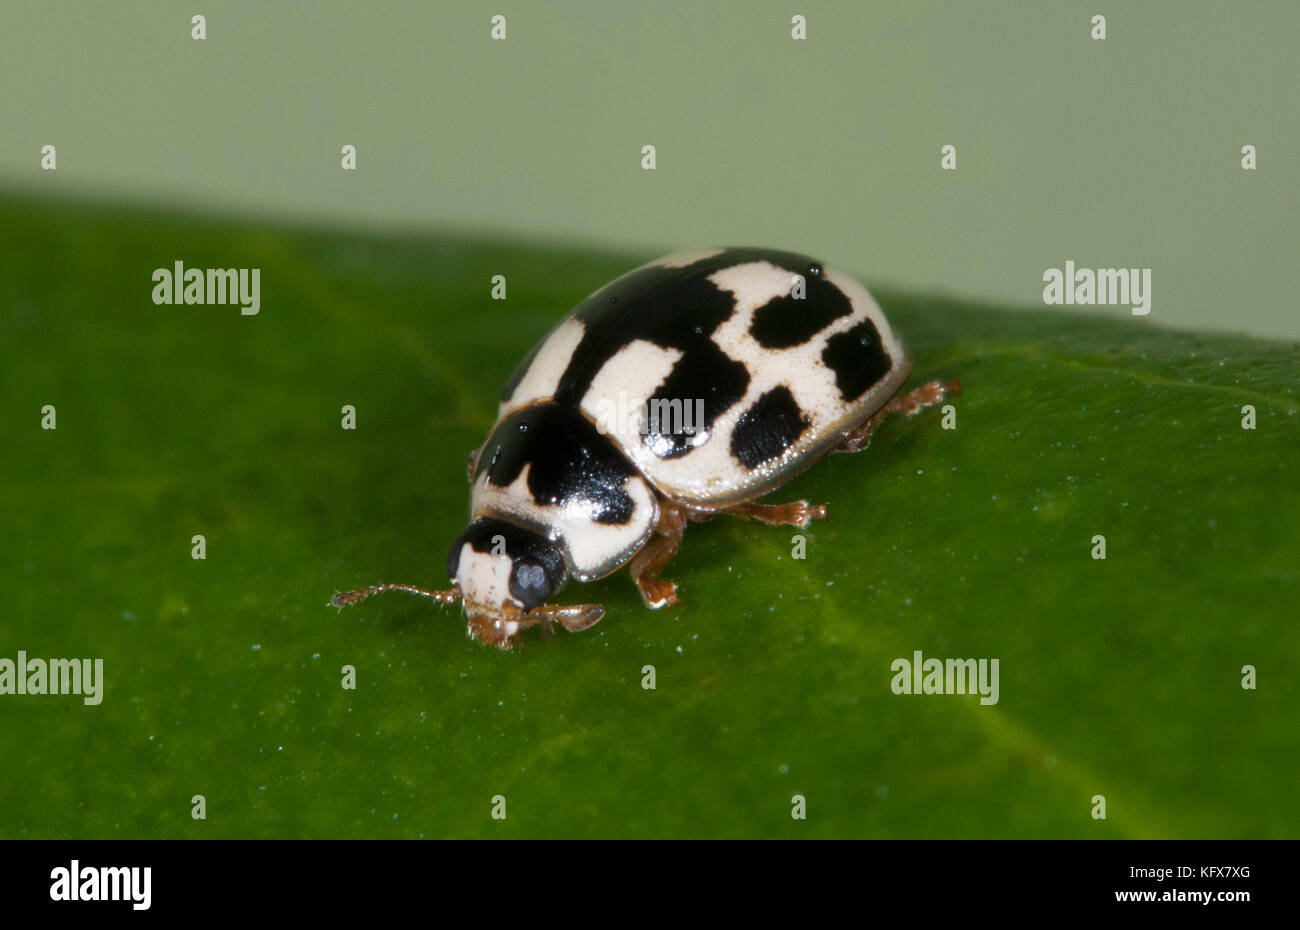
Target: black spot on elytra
675, 308
708, 374
768, 428
569, 461
787, 321
858, 359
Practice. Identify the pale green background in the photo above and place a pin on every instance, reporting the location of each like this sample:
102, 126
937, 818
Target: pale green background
1122, 152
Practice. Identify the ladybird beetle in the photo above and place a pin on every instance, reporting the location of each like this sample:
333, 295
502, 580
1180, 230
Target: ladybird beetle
766, 361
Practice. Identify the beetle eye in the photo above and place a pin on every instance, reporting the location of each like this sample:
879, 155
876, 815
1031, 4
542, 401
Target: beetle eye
814, 270
530, 575
529, 584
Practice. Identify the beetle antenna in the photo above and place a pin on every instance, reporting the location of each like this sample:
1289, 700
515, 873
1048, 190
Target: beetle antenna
449, 596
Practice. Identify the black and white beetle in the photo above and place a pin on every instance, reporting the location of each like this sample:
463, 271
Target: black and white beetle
784, 360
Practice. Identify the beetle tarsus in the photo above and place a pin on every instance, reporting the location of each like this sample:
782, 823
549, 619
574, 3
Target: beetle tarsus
658, 592
927, 395
909, 405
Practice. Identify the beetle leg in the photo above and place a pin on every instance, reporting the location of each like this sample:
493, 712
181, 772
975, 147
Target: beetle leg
910, 404
573, 617
795, 513
657, 592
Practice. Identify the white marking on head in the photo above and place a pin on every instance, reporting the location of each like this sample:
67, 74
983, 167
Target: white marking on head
484, 580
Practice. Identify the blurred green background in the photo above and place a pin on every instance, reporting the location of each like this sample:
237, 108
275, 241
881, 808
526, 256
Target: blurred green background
1123, 152
1118, 677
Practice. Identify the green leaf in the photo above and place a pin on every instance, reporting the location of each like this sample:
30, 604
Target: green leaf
1120, 678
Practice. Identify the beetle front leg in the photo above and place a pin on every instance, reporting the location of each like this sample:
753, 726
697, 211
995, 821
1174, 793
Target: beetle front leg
658, 592
910, 404
573, 617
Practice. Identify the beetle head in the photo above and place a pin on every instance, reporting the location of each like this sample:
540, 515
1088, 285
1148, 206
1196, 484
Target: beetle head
506, 574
